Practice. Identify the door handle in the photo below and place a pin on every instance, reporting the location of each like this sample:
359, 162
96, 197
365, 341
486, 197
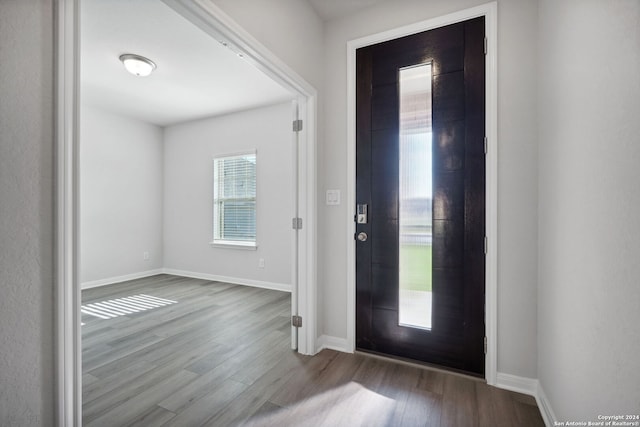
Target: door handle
362, 236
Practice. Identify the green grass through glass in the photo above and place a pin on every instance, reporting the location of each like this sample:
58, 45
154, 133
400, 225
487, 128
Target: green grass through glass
415, 267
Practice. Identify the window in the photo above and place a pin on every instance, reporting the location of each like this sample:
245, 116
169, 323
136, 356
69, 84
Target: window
234, 200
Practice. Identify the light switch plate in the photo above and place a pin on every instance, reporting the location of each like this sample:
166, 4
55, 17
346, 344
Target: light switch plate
333, 197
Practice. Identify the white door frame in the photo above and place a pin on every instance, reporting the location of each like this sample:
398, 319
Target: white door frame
215, 22
490, 12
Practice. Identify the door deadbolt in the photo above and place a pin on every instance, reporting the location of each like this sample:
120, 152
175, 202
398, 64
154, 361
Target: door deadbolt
362, 236
361, 216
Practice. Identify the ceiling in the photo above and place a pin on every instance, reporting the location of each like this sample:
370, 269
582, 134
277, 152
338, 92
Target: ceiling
330, 9
196, 75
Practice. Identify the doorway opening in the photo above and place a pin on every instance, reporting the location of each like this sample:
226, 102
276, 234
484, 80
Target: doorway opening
217, 25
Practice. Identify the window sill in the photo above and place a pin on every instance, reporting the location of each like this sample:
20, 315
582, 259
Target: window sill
228, 244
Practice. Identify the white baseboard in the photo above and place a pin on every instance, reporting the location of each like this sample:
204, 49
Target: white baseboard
518, 384
544, 405
119, 279
235, 280
532, 387
332, 343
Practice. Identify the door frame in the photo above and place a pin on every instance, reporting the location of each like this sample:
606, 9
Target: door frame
210, 18
490, 12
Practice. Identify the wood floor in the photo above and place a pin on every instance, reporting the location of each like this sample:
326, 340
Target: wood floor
216, 354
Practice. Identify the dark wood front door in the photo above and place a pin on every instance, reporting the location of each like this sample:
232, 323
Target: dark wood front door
420, 189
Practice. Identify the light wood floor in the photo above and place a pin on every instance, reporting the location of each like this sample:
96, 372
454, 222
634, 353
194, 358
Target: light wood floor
220, 356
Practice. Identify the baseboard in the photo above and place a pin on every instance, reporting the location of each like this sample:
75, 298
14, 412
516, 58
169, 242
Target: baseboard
119, 279
544, 405
332, 343
140, 275
530, 386
235, 280
518, 384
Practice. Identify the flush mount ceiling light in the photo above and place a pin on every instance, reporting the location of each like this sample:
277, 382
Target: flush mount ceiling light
137, 65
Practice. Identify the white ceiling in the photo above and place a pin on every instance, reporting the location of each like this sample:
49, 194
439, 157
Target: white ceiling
196, 76
330, 9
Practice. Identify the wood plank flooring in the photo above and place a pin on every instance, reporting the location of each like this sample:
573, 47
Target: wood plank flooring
220, 356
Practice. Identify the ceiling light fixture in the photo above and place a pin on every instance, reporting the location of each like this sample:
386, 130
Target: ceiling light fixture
137, 65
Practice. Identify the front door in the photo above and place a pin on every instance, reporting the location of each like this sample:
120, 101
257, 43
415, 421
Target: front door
420, 190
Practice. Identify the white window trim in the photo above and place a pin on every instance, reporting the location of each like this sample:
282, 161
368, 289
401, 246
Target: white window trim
234, 244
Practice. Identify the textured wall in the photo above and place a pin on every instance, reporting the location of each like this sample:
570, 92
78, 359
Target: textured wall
188, 189
26, 213
121, 195
288, 28
589, 293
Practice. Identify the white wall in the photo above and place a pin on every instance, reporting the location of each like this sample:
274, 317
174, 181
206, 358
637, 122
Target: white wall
189, 151
288, 28
121, 185
589, 292
517, 186
26, 213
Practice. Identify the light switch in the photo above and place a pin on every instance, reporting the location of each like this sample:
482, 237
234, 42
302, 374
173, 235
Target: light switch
333, 197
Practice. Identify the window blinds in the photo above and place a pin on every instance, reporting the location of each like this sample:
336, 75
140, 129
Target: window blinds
235, 198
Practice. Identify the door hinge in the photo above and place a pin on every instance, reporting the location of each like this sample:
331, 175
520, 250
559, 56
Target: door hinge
297, 125
486, 244
485, 345
485, 145
296, 223
485, 45
296, 321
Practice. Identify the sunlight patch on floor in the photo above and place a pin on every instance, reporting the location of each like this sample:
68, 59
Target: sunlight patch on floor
122, 306
360, 403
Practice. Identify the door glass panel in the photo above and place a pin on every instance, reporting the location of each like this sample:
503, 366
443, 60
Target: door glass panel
416, 195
